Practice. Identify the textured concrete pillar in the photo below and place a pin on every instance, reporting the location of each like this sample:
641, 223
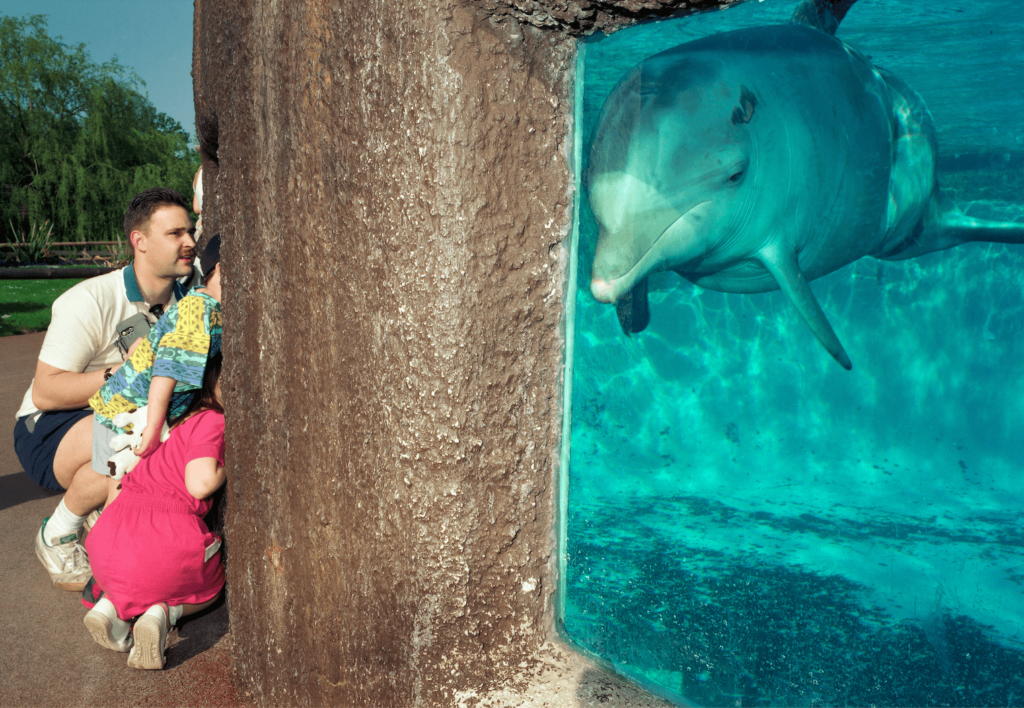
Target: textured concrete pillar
392, 182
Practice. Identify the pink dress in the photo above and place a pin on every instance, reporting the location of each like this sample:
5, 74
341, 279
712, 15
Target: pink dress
150, 545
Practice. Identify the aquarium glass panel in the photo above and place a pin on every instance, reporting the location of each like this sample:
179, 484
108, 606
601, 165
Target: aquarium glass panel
746, 521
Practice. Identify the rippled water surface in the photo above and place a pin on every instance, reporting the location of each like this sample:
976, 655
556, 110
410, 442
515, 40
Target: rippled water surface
749, 524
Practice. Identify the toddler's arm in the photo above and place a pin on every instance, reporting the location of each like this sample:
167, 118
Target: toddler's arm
160, 390
203, 477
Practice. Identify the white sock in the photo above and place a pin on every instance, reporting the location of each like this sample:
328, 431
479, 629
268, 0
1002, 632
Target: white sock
119, 629
172, 617
63, 525
175, 614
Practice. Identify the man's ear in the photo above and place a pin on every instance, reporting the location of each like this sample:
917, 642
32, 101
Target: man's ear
137, 239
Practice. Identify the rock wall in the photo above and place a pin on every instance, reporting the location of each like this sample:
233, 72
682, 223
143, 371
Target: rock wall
581, 17
392, 183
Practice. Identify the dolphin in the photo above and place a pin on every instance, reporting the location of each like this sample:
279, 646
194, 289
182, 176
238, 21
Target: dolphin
761, 159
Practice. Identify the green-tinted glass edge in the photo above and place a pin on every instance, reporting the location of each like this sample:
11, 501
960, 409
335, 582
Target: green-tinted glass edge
562, 500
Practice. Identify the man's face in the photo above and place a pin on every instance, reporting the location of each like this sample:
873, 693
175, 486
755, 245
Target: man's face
166, 248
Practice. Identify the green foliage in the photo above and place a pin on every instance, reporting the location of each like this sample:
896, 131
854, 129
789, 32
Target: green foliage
32, 246
77, 139
25, 304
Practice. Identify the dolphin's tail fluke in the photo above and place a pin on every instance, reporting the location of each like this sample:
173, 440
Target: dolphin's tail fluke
824, 15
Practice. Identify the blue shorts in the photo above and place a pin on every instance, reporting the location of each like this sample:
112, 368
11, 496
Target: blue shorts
36, 444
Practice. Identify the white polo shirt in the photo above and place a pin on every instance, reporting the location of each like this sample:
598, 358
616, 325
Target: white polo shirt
83, 330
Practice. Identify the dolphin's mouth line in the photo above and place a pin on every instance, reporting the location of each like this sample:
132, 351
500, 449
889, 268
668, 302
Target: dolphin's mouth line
629, 275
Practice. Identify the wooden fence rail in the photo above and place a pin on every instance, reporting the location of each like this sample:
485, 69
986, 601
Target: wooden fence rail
61, 253
64, 244
50, 272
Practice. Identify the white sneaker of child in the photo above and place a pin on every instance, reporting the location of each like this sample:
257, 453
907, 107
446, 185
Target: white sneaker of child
109, 631
151, 636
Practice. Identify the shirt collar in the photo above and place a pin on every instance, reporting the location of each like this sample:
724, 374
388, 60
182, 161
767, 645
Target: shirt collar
131, 286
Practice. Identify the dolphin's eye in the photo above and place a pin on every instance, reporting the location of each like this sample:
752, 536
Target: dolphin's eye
736, 177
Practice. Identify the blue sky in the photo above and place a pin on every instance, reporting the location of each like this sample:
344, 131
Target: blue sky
153, 37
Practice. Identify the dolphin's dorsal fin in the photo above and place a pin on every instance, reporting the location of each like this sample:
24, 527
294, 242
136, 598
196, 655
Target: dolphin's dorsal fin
822, 14
783, 266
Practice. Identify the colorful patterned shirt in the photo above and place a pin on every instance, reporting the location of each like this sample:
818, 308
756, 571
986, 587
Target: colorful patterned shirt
176, 347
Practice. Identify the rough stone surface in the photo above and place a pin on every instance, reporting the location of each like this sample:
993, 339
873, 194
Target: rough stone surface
392, 183
583, 17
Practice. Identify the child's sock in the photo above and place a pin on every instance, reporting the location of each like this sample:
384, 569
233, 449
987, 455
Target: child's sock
173, 614
61, 524
119, 627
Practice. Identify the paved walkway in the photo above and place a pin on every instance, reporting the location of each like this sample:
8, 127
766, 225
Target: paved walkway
47, 657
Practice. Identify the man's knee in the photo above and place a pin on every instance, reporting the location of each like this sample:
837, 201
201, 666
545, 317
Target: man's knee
38, 442
74, 451
86, 492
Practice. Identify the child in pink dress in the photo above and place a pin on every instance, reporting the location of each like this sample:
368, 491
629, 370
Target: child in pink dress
151, 552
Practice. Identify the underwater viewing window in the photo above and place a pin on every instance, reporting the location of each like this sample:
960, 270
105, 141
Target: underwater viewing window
746, 520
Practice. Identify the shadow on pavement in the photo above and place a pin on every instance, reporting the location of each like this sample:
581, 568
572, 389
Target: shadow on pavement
18, 488
197, 633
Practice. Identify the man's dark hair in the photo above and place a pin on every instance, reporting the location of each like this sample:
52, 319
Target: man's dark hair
142, 206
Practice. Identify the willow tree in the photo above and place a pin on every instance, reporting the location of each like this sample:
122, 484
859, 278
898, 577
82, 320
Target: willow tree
77, 138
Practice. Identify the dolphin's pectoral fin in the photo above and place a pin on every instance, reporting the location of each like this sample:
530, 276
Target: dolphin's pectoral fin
783, 266
632, 309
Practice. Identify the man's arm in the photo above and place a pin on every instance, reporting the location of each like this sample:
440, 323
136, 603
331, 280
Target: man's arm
55, 389
73, 339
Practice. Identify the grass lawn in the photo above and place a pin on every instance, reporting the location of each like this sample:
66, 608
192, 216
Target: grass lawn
25, 304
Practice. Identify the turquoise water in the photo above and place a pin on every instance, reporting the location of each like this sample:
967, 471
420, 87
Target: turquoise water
748, 523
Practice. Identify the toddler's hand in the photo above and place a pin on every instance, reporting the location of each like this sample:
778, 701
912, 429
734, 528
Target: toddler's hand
125, 459
150, 441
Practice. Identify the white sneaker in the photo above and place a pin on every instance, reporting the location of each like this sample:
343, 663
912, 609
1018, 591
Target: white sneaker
102, 630
150, 639
66, 561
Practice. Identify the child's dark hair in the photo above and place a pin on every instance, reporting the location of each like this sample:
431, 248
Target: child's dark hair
210, 256
206, 398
